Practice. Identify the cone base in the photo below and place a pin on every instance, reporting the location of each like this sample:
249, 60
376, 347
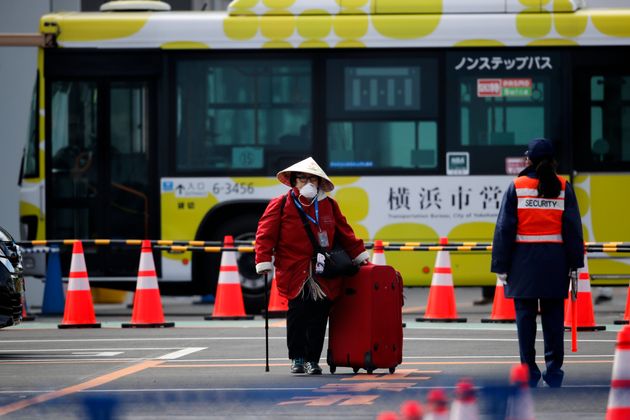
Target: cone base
67, 326
227, 318
622, 322
591, 328
28, 318
149, 325
498, 321
424, 319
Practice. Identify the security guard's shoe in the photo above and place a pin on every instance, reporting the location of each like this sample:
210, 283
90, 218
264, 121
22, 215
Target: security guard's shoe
297, 365
312, 368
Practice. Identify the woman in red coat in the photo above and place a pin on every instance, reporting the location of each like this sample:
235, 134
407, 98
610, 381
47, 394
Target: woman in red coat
282, 241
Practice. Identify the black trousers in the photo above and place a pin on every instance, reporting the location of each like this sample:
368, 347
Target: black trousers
306, 327
552, 317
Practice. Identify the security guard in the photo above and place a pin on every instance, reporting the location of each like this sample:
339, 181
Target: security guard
537, 243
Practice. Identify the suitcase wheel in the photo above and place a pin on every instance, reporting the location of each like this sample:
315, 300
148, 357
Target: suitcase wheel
392, 370
355, 369
333, 369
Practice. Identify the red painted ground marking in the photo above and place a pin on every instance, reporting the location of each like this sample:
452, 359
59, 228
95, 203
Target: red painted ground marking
400, 374
366, 386
328, 400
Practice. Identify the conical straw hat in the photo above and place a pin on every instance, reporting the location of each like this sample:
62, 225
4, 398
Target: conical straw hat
307, 166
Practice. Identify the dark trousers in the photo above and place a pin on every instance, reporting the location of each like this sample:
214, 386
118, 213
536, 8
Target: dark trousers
306, 327
552, 317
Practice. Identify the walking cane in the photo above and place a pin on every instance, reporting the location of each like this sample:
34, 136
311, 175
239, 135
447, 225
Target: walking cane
266, 326
574, 290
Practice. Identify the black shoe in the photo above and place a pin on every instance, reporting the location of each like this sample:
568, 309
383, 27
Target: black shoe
297, 365
312, 368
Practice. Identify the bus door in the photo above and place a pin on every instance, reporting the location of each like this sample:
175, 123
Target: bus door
602, 108
601, 105
98, 172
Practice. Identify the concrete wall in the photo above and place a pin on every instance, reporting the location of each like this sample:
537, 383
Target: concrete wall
18, 67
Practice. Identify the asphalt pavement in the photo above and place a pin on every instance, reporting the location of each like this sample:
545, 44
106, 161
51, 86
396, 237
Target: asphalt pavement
216, 369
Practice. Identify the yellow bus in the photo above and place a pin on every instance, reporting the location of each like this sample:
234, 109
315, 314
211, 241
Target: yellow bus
158, 124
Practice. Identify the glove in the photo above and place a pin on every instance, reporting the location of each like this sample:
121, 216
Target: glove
264, 268
502, 278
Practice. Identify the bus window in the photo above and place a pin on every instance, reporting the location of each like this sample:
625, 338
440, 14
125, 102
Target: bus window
499, 101
610, 119
386, 119
73, 143
31, 168
242, 114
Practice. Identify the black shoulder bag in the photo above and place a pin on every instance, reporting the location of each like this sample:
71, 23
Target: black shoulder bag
336, 261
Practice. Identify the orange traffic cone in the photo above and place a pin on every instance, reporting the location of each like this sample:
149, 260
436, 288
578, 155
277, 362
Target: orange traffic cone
437, 405
502, 307
520, 405
411, 410
619, 397
79, 309
585, 310
378, 256
626, 315
25, 315
465, 405
147, 304
441, 305
278, 305
229, 298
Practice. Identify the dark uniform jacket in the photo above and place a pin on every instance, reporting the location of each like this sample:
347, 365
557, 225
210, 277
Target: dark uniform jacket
537, 270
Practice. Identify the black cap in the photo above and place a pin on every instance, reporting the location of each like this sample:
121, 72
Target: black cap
539, 149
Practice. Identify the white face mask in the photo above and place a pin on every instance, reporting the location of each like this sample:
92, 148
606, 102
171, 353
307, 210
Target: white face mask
308, 191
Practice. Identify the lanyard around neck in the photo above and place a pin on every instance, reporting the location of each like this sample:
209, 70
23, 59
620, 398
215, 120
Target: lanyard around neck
300, 208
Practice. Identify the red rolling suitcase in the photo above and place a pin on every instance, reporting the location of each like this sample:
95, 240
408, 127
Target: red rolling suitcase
366, 321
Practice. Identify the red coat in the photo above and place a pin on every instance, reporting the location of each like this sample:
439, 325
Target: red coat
285, 238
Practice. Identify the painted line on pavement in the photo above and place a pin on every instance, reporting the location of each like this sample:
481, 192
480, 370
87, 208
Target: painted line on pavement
181, 353
98, 381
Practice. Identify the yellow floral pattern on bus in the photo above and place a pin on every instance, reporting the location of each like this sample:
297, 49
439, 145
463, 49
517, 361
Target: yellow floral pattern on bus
533, 25
173, 209
475, 266
419, 265
345, 24
97, 27
407, 26
314, 24
611, 23
354, 204
278, 27
241, 28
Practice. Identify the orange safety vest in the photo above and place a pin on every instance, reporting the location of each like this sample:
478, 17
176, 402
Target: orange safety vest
539, 219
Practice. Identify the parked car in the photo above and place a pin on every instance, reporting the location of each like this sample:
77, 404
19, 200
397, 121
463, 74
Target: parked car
11, 280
